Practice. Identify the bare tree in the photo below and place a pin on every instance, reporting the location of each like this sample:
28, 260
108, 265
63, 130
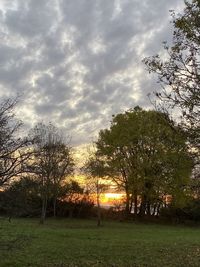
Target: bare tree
94, 168
51, 163
62, 167
14, 150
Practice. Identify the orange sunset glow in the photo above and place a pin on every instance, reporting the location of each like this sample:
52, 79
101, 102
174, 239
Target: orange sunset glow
109, 199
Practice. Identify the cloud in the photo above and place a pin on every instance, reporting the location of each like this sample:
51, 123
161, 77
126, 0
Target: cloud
77, 62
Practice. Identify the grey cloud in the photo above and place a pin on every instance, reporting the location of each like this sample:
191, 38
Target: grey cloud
77, 62
32, 17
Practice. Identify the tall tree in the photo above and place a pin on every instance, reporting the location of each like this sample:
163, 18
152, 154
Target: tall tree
13, 149
146, 156
52, 162
179, 71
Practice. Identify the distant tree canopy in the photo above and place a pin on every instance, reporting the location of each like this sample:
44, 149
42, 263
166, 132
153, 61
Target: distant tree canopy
146, 155
23, 198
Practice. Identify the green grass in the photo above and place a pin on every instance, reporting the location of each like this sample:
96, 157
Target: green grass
62, 243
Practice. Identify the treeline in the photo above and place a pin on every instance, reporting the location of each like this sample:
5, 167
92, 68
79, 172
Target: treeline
36, 171
145, 154
23, 198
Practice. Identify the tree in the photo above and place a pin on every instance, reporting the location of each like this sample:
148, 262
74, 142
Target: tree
21, 198
63, 165
51, 163
95, 169
74, 201
146, 156
14, 150
179, 73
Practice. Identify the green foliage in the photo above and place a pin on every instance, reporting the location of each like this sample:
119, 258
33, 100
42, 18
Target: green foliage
179, 72
190, 212
21, 198
94, 166
146, 155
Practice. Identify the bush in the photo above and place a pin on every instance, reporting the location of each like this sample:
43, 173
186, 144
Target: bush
79, 209
190, 212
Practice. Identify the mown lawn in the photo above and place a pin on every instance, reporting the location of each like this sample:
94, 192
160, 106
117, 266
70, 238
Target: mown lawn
60, 243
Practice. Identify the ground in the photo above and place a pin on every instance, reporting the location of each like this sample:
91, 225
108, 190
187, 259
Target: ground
63, 243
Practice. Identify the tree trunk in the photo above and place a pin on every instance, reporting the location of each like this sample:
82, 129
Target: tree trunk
98, 207
135, 203
127, 208
148, 208
131, 204
158, 209
44, 209
98, 215
143, 206
154, 209
54, 206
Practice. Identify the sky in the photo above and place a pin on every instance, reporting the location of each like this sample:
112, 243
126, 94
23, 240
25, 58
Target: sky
78, 62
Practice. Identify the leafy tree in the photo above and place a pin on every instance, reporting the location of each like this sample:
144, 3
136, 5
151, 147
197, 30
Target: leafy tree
51, 163
146, 156
21, 198
179, 72
14, 150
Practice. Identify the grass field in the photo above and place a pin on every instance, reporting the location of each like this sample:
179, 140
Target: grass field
60, 243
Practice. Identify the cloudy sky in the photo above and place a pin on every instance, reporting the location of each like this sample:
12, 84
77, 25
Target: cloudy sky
77, 62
